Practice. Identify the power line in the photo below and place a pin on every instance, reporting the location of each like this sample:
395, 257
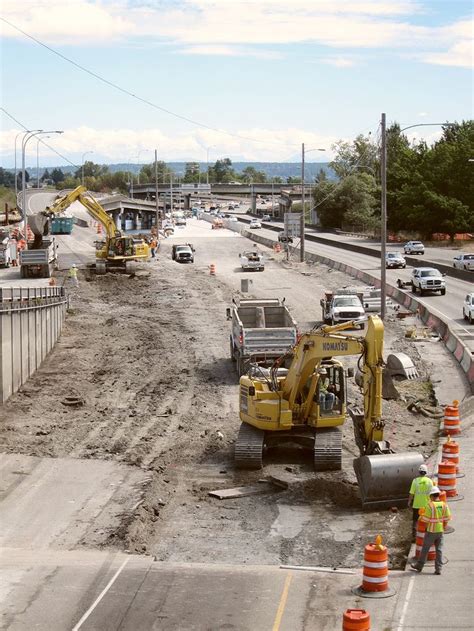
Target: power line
40, 139
135, 96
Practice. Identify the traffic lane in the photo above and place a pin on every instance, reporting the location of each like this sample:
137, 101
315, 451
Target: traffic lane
449, 307
198, 597
37, 201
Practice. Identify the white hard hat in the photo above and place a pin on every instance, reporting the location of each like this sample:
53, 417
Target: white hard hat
435, 491
423, 468
73, 265
322, 371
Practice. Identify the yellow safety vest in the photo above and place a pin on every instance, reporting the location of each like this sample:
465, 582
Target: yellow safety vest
436, 513
420, 489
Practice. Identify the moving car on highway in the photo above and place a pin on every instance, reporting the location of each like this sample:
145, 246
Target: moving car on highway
254, 224
468, 308
464, 261
426, 279
395, 259
414, 247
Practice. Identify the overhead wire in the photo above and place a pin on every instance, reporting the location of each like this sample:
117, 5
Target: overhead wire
118, 87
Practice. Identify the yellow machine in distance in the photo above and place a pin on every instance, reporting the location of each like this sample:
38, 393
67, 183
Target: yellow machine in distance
115, 251
307, 405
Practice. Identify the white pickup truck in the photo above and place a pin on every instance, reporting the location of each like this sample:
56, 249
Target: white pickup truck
252, 260
342, 305
425, 279
468, 308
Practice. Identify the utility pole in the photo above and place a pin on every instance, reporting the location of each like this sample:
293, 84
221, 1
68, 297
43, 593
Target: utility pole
302, 203
383, 228
158, 222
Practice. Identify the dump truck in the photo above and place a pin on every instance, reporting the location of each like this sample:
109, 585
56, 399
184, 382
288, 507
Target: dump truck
342, 305
261, 331
39, 262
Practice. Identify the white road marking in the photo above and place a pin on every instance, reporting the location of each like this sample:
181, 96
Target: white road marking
406, 603
99, 597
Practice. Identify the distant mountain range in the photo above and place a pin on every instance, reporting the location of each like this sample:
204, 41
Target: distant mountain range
271, 169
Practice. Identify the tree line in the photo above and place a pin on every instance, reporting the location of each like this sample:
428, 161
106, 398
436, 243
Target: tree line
430, 189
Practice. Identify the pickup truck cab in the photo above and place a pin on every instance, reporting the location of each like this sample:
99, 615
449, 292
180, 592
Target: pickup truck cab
468, 308
425, 279
414, 247
183, 253
464, 261
342, 306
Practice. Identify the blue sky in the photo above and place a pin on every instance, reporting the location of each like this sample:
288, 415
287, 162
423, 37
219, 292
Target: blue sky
269, 73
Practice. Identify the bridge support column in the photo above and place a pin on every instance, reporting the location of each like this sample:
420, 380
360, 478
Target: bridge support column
187, 201
253, 203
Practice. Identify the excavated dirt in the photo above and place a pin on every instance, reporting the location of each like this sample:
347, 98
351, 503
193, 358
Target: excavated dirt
141, 375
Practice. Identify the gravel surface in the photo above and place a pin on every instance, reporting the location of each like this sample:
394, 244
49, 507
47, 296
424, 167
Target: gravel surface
147, 360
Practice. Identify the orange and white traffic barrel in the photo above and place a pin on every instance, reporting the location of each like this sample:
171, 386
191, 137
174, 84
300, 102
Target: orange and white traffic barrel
420, 536
375, 572
452, 420
450, 453
447, 480
356, 620
212, 269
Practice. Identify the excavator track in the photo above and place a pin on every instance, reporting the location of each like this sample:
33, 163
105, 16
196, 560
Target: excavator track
249, 447
328, 449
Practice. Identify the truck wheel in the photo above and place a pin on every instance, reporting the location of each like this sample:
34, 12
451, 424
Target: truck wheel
22, 272
471, 319
239, 366
46, 271
443, 292
422, 292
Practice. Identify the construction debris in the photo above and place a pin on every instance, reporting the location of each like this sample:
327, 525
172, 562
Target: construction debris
265, 486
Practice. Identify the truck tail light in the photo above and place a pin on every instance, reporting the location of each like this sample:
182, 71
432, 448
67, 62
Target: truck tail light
241, 339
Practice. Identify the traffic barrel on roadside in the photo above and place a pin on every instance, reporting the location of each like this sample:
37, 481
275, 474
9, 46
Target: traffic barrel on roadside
447, 480
452, 420
420, 536
356, 620
450, 453
212, 269
375, 572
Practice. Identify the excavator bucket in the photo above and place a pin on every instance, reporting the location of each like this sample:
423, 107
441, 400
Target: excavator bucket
384, 480
401, 364
37, 224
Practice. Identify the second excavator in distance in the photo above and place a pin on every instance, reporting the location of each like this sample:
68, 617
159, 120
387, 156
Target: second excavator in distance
306, 404
116, 251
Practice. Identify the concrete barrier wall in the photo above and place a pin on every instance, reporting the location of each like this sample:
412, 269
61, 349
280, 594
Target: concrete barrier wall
452, 342
31, 321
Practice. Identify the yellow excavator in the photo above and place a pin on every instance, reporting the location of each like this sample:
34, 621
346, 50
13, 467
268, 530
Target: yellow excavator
306, 404
116, 251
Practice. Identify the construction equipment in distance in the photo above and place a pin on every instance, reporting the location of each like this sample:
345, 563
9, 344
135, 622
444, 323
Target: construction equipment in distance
116, 251
288, 406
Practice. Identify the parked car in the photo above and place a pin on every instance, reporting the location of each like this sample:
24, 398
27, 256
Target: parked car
426, 279
254, 224
414, 247
180, 221
266, 218
284, 238
395, 259
183, 253
468, 308
464, 261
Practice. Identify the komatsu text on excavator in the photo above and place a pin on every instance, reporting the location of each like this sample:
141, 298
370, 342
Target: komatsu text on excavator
116, 251
306, 404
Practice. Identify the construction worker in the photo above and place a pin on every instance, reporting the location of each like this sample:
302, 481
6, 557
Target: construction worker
73, 275
326, 398
153, 245
436, 517
419, 494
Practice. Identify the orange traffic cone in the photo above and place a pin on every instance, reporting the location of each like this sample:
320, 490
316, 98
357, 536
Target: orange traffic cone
356, 620
452, 420
212, 269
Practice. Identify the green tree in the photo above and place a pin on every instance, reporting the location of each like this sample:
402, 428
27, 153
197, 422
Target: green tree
250, 174
147, 172
222, 171
192, 172
362, 152
7, 178
91, 169
57, 176
293, 180
45, 176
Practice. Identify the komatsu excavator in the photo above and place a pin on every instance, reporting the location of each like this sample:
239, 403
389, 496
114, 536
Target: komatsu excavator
306, 404
116, 251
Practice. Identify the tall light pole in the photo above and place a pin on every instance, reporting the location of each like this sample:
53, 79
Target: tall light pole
16, 171
82, 165
37, 161
303, 200
25, 141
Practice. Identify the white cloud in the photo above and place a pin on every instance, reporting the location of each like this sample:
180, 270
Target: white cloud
123, 145
243, 27
340, 62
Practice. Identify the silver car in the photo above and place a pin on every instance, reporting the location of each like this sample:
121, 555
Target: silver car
464, 261
414, 247
395, 259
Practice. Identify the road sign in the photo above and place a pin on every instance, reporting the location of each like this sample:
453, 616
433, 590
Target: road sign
292, 224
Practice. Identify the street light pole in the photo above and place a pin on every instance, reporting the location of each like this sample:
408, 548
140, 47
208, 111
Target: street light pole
82, 167
16, 171
383, 230
158, 226
37, 161
25, 141
303, 199
207, 162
